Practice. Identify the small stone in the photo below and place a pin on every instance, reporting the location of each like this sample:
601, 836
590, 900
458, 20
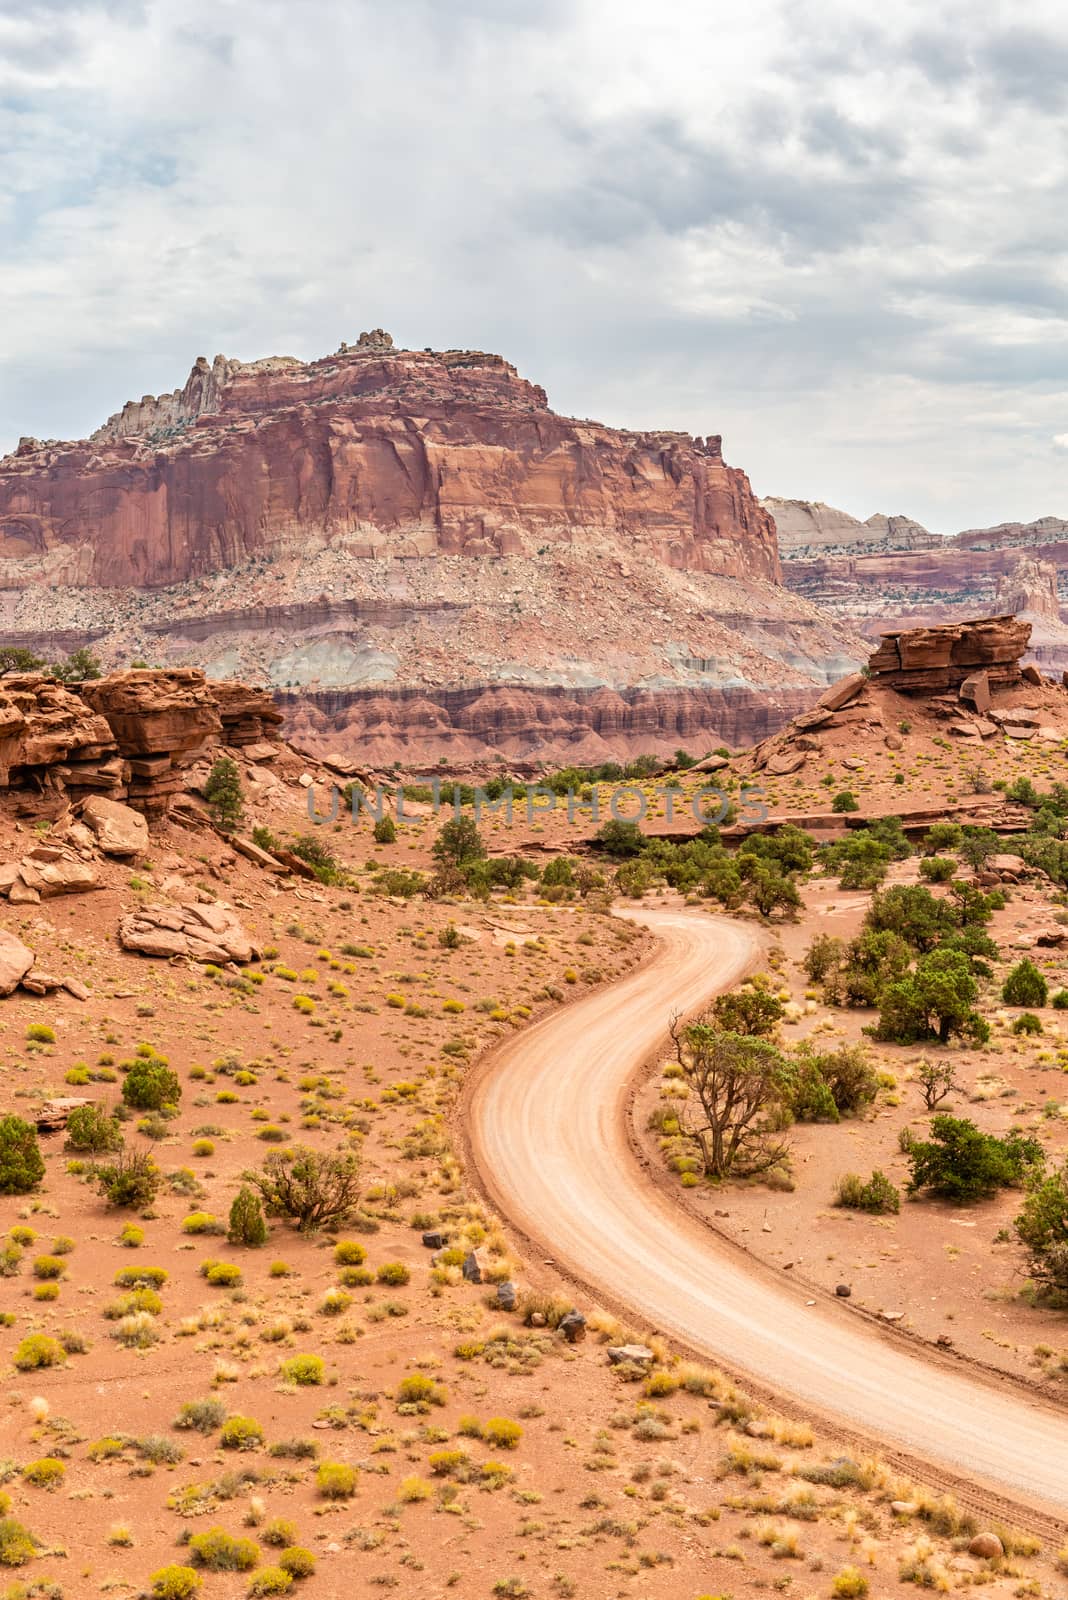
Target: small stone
573, 1327
506, 1296
987, 1545
638, 1354
843, 1291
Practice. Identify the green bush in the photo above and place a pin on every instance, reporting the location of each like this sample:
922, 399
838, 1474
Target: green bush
385, 831
937, 869
175, 1583
132, 1179
878, 1195
1042, 1227
1027, 1022
1024, 986
145, 1277
248, 1226
223, 793
845, 800
219, 1551
150, 1085
961, 1163
313, 1187
21, 1163
93, 1129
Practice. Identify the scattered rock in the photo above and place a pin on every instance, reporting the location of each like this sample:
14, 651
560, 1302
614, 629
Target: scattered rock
119, 829
16, 959
506, 1296
976, 690
987, 1545
842, 692
202, 932
573, 1327
436, 1240
843, 1291
638, 1355
476, 1264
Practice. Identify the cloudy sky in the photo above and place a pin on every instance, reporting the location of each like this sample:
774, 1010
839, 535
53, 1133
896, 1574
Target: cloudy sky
833, 232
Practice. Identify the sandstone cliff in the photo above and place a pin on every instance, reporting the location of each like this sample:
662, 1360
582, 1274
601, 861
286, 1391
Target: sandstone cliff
372, 451
401, 529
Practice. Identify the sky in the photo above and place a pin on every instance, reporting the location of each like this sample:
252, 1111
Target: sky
833, 233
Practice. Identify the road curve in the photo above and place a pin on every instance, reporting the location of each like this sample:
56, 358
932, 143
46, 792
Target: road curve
546, 1124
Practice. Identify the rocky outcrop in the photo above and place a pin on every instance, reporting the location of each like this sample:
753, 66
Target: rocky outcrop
201, 932
810, 528
375, 450
1030, 587
554, 724
128, 737
929, 661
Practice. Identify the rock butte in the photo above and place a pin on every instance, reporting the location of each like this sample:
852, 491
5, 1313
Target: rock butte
415, 552
890, 571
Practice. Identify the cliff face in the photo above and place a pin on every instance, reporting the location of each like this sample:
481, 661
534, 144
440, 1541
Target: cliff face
902, 579
375, 452
416, 528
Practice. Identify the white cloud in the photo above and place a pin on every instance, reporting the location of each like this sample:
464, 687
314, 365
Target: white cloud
832, 236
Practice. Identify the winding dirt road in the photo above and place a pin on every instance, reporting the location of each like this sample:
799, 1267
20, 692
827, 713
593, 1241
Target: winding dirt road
547, 1130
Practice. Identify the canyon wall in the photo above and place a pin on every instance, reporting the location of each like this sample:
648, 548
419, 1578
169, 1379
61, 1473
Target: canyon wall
414, 528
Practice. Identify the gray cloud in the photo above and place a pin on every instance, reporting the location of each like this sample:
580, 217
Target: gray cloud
834, 239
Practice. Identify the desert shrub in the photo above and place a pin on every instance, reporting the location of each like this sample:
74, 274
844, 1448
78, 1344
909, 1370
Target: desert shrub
223, 793
279, 1532
393, 1273
248, 1226
502, 1433
385, 831
219, 1551
175, 1583
1027, 1023
313, 1187
878, 1195
297, 1561
160, 1449
305, 1371
752, 1009
49, 1267
1024, 986
269, 1580
38, 1350
221, 1274
417, 1389
849, 1584
17, 1544
935, 1001
318, 855
145, 1277
336, 1480
93, 1129
937, 869
45, 1473
845, 800
201, 1222
349, 1253
131, 1179
137, 1330
21, 1163
150, 1085
202, 1416
823, 955
241, 1433
1042, 1227
961, 1163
